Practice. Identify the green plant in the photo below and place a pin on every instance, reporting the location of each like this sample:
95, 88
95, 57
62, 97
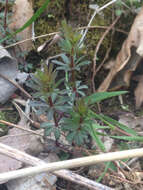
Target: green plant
68, 109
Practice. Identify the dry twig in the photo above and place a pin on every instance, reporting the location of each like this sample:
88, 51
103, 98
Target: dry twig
97, 48
78, 162
19, 127
54, 33
16, 85
66, 174
95, 12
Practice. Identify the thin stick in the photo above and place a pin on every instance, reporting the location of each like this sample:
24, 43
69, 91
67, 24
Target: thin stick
54, 33
34, 123
102, 27
19, 135
105, 58
97, 48
66, 174
95, 12
16, 85
19, 127
29, 39
108, 50
78, 162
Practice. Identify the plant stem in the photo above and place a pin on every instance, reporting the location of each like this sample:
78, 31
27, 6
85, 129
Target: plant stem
73, 72
54, 115
55, 119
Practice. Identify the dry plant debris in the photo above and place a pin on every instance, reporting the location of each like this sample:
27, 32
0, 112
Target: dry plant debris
127, 60
22, 12
24, 141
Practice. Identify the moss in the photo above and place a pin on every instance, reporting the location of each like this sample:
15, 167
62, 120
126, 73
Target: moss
77, 13
49, 21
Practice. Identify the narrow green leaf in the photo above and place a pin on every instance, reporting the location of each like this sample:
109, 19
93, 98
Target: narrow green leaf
98, 96
50, 114
64, 68
29, 22
46, 125
83, 63
96, 126
59, 63
129, 138
120, 125
96, 138
105, 171
65, 59
97, 116
79, 138
82, 87
48, 131
81, 93
79, 59
57, 133
70, 136
38, 104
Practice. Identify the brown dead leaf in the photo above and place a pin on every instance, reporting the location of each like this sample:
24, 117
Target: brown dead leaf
22, 12
122, 78
135, 41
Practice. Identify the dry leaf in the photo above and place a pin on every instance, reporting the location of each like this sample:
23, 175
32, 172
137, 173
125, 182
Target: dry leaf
22, 12
122, 78
47, 45
135, 41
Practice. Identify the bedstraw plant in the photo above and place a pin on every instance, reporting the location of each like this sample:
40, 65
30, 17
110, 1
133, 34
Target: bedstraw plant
64, 102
